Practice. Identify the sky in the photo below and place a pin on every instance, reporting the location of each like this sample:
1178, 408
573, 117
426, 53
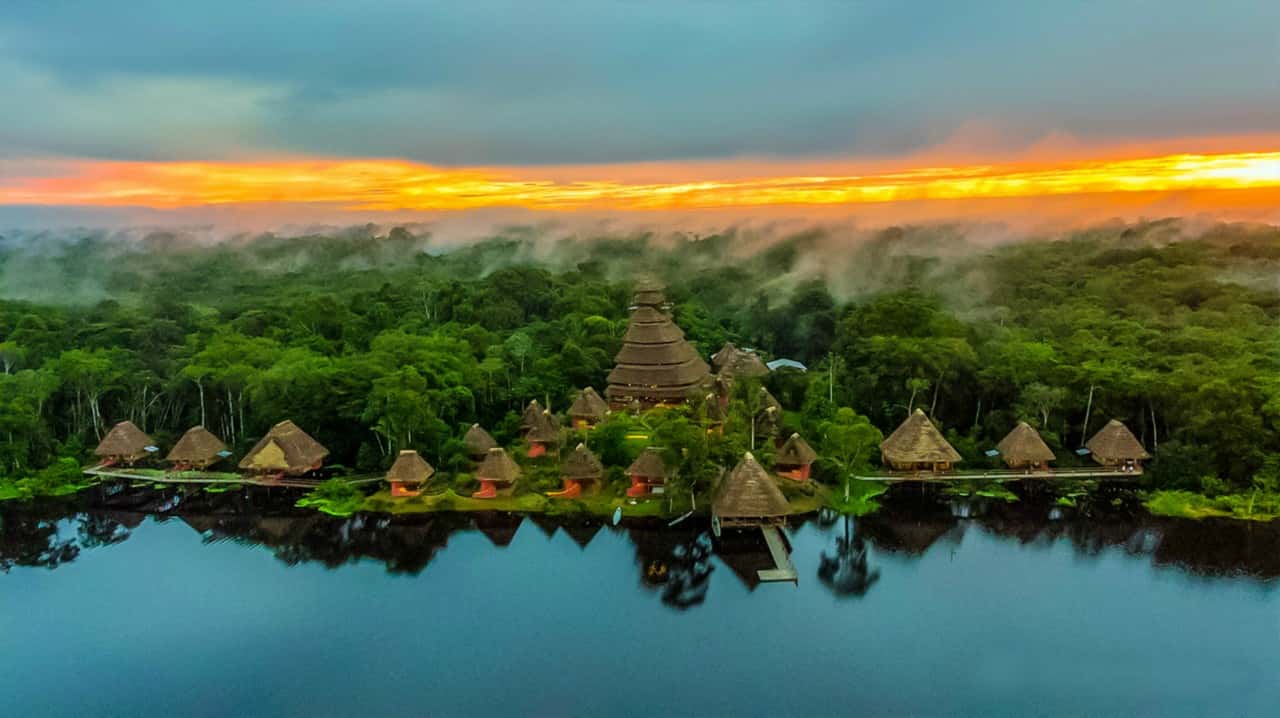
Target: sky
382, 108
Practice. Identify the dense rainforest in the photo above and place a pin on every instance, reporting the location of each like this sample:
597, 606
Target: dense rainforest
376, 341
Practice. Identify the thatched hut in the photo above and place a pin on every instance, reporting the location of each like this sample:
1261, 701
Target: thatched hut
582, 473
917, 445
648, 474
478, 442
656, 365
285, 450
1115, 447
650, 292
544, 436
795, 459
198, 449
497, 474
409, 474
734, 363
587, 410
124, 444
530, 418
1024, 449
748, 496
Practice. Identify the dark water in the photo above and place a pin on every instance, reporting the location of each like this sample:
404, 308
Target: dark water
238, 606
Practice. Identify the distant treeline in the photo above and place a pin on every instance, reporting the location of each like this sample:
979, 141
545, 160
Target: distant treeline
374, 343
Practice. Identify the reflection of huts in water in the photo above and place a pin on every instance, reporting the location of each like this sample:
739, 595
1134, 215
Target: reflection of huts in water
1115, 447
581, 530
1023, 449
795, 459
587, 410
582, 474
198, 449
497, 526
478, 442
648, 474
531, 417
497, 474
917, 445
409, 474
656, 544
656, 365
285, 450
124, 444
907, 532
406, 546
200, 523
748, 496
746, 554
544, 436
546, 523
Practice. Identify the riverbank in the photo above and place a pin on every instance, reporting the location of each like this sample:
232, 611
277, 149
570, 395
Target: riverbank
1251, 506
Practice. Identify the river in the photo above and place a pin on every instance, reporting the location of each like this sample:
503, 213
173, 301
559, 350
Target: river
238, 605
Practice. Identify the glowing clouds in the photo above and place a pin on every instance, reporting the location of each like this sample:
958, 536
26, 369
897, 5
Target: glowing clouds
393, 185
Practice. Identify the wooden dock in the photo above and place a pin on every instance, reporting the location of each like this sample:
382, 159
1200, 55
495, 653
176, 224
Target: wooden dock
207, 478
784, 570
1087, 472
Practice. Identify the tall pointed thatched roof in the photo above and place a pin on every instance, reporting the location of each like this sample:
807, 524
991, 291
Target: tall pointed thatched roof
588, 405
410, 468
125, 439
749, 492
478, 441
285, 448
1114, 442
767, 402
649, 465
723, 356
198, 445
582, 465
545, 430
655, 362
795, 452
918, 441
649, 292
498, 466
1023, 445
531, 416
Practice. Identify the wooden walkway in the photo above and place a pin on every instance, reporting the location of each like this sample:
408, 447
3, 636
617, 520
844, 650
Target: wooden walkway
785, 570
198, 477
1086, 472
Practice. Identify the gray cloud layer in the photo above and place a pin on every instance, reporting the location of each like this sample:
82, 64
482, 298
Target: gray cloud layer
547, 82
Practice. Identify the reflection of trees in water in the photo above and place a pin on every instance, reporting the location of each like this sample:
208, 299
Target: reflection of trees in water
846, 571
690, 573
673, 561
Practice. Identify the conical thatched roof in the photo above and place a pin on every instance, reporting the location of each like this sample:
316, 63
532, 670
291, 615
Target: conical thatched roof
410, 468
749, 492
478, 441
767, 402
1023, 445
546, 430
285, 448
649, 292
723, 356
532, 414
124, 439
582, 465
498, 466
198, 445
1114, 442
649, 465
588, 405
655, 362
795, 452
712, 409
918, 441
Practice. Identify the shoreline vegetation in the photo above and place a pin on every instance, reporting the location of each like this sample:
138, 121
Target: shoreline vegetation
379, 342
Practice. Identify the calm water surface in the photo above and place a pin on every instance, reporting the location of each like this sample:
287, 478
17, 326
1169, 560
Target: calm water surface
239, 606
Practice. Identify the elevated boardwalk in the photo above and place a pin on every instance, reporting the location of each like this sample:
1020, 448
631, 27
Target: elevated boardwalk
1084, 472
211, 477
